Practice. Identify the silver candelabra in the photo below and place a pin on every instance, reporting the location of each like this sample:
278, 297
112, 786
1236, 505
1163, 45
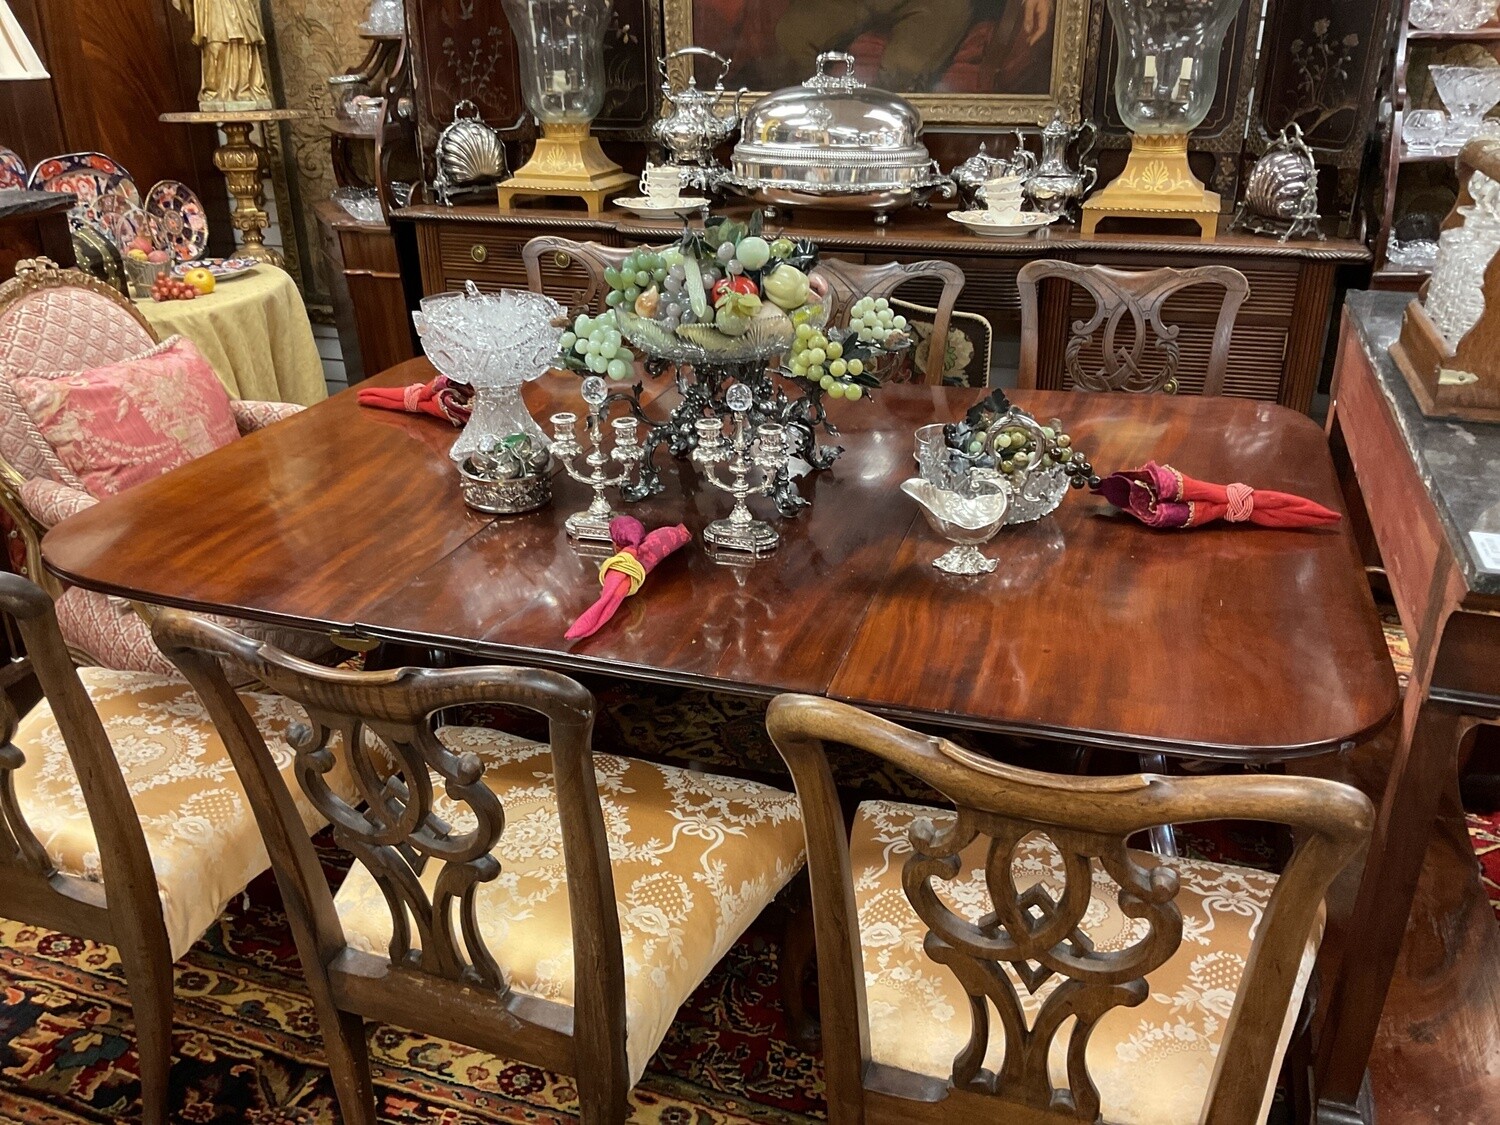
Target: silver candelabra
741, 454
593, 522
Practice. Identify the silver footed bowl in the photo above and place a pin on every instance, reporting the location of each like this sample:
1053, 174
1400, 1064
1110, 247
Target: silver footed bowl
967, 521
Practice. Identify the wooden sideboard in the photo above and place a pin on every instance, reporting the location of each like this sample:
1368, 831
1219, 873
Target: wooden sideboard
369, 302
1279, 339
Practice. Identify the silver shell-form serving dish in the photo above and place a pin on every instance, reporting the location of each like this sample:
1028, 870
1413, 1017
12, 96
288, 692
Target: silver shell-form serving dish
836, 144
469, 153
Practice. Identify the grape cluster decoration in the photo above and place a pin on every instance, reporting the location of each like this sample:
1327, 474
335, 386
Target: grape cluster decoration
996, 434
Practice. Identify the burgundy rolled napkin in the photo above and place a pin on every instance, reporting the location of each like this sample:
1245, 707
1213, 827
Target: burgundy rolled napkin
622, 573
1160, 496
441, 398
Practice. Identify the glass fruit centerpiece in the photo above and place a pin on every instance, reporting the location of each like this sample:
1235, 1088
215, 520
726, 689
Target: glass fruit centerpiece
1166, 73
729, 304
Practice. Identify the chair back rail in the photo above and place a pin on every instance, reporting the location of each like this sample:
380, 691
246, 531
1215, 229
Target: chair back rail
849, 281
592, 258
453, 981
1138, 351
1086, 819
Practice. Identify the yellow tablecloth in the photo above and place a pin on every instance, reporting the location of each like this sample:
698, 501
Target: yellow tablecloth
254, 330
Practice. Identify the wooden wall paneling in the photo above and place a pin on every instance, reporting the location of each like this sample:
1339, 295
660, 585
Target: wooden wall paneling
30, 118
1322, 66
116, 65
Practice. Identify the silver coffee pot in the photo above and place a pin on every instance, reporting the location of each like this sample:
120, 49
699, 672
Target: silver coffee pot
971, 176
1056, 185
695, 127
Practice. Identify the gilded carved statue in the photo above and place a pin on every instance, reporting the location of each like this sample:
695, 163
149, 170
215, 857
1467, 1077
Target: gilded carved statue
232, 40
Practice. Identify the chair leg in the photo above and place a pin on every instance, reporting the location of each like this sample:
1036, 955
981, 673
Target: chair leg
348, 1057
148, 979
1163, 836
603, 1097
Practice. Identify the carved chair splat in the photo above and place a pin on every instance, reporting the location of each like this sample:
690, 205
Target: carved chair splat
1037, 935
1138, 350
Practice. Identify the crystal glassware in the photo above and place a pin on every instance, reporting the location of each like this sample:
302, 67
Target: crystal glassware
1469, 92
1168, 61
1450, 15
1423, 130
1455, 294
493, 342
966, 518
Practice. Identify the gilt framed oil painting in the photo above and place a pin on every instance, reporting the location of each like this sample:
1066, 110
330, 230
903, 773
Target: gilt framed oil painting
962, 62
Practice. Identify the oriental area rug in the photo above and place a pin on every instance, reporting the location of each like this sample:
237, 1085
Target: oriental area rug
248, 1048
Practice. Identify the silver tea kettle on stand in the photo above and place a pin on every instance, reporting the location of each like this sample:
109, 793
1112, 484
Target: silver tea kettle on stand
695, 127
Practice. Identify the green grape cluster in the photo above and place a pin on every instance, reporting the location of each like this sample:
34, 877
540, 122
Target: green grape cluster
818, 359
597, 343
872, 319
637, 273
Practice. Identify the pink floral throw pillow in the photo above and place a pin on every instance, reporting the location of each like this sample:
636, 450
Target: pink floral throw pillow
125, 423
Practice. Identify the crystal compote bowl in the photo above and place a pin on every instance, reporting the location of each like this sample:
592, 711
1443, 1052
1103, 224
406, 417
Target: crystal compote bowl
494, 342
967, 520
1469, 92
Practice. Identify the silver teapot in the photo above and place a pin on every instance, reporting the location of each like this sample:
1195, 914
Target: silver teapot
1056, 185
971, 176
694, 127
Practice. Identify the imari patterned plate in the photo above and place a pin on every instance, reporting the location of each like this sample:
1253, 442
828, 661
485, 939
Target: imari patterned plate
222, 268
180, 219
87, 175
12, 169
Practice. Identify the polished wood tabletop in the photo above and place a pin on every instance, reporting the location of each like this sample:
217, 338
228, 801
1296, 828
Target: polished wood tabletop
1238, 641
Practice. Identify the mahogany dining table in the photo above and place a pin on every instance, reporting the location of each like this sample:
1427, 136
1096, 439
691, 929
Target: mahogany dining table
1229, 642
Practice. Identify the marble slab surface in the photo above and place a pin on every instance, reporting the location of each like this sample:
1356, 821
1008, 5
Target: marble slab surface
1459, 462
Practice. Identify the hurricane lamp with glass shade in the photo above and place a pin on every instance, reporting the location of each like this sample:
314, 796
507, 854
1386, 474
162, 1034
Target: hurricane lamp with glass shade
561, 47
1166, 73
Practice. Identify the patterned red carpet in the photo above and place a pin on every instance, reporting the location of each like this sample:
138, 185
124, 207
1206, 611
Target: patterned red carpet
247, 1041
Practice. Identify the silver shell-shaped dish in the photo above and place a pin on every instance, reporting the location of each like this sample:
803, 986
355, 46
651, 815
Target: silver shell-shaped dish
834, 143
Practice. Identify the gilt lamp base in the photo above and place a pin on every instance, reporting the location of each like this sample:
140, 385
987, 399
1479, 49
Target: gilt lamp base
567, 161
1156, 183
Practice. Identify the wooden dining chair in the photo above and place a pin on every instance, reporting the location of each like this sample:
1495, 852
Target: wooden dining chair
502, 886
1010, 959
121, 818
569, 258
1137, 350
849, 281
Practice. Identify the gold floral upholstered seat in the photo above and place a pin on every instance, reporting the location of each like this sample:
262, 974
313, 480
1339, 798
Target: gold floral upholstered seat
695, 856
199, 828
1153, 1062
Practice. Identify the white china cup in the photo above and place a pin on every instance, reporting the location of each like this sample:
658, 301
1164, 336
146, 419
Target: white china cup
1003, 193
660, 184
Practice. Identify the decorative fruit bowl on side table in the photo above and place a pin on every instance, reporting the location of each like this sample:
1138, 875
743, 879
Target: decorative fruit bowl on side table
717, 309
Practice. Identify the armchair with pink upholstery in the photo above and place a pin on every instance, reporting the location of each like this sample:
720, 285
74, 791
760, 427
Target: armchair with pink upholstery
54, 321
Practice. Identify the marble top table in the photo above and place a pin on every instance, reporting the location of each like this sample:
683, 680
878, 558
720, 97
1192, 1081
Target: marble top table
1459, 462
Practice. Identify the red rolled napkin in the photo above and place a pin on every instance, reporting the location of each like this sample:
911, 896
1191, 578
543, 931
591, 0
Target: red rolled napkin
441, 398
1160, 496
622, 574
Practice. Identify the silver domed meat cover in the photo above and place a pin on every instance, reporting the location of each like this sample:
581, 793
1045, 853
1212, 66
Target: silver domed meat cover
833, 141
